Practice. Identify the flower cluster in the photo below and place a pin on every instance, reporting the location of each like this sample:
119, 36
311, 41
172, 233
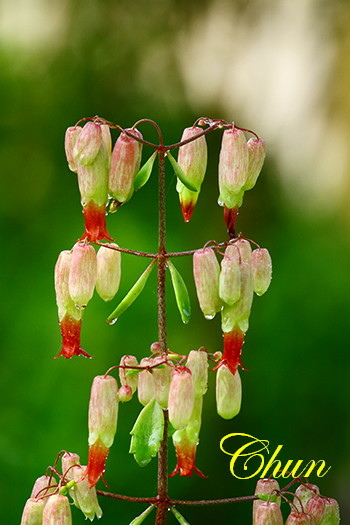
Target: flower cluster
307, 508
77, 273
229, 290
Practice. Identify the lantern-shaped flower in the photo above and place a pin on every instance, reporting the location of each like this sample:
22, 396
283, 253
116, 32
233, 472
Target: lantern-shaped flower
103, 415
192, 159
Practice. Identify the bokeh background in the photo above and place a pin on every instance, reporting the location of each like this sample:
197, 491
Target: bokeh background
280, 67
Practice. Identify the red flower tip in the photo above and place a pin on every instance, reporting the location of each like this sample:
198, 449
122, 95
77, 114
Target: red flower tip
187, 210
96, 463
70, 332
230, 216
186, 455
95, 223
233, 344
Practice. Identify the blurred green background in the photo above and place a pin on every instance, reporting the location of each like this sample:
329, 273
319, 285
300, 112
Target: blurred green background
279, 67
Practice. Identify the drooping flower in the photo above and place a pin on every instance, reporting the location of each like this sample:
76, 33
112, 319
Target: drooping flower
206, 271
57, 511
82, 274
181, 397
228, 392
70, 317
264, 487
108, 272
83, 496
103, 416
262, 270
268, 513
186, 441
197, 362
125, 163
192, 159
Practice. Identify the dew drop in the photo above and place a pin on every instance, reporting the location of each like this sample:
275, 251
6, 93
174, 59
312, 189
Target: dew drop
112, 321
220, 203
209, 316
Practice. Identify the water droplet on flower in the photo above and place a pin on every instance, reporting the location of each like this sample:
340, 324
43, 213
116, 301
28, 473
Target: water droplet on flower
220, 203
209, 316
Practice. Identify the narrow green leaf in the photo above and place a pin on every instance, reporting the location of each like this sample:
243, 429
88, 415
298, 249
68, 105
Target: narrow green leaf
144, 173
147, 433
179, 516
139, 519
130, 297
180, 174
181, 293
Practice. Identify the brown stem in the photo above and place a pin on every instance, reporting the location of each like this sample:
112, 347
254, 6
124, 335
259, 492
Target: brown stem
163, 497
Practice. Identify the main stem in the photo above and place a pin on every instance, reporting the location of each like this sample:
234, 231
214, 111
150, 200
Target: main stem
163, 496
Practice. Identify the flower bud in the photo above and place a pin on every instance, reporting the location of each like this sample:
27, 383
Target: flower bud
108, 272
43, 486
206, 272
156, 348
268, 514
315, 507
197, 362
238, 314
57, 511
331, 513
192, 158
125, 393
63, 298
88, 144
103, 415
33, 512
262, 270
299, 518
69, 460
125, 163
245, 250
256, 157
103, 410
228, 392
125, 378
70, 139
233, 167
303, 494
181, 397
162, 379
264, 487
82, 274
230, 276
145, 382
84, 496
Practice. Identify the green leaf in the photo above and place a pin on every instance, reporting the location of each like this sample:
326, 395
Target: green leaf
179, 516
181, 293
147, 433
133, 293
144, 173
268, 497
132, 372
139, 519
180, 174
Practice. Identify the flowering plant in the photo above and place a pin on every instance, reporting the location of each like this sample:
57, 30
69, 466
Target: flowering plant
170, 384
